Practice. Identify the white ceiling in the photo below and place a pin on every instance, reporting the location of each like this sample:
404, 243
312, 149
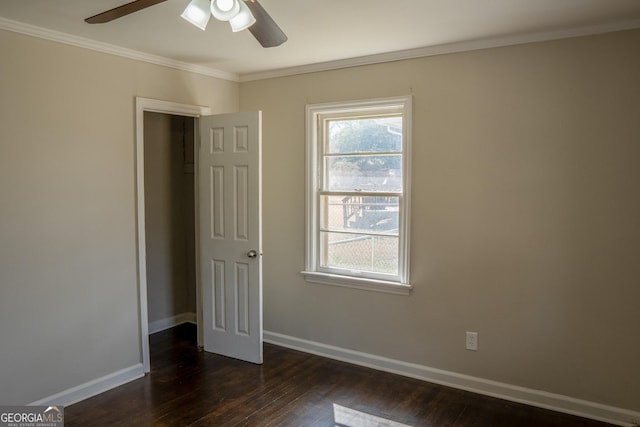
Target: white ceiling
326, 33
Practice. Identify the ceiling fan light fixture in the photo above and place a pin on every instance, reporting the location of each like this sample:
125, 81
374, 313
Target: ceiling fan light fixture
243, 20
224, 10
198, 13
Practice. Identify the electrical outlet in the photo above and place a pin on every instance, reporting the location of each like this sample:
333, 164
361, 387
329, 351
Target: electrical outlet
472, 341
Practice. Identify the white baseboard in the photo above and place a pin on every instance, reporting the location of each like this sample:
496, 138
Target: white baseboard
115, 379
92, 388
170, 322
538, 398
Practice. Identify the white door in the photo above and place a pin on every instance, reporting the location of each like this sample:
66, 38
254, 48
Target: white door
230, 234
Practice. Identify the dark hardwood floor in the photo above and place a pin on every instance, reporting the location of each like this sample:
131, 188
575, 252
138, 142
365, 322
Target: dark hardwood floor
191, 388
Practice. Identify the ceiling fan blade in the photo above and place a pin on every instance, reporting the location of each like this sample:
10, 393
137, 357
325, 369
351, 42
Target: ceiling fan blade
121, 11
265, 30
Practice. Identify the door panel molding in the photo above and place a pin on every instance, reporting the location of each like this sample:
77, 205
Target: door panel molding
233, 292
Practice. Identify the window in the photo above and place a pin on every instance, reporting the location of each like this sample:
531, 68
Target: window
358, 173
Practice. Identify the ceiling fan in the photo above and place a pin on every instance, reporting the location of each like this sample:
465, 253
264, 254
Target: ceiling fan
198, 12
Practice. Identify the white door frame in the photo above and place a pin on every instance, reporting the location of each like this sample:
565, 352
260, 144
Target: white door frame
157, 106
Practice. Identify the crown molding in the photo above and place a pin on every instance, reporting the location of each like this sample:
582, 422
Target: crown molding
56, 36
443, 49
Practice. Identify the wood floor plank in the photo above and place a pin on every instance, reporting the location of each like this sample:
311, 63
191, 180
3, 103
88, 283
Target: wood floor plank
187, 387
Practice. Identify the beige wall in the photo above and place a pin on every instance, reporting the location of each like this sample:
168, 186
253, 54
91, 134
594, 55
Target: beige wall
525, 213
525, 217
169, 215
68, 281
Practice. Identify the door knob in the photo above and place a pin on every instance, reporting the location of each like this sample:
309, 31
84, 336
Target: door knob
252, 253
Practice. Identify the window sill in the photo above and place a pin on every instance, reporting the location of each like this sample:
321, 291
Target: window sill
357, 283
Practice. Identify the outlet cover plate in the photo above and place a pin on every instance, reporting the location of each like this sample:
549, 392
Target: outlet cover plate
472, 341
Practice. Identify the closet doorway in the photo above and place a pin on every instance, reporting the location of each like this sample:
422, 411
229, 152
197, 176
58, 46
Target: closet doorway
169, 220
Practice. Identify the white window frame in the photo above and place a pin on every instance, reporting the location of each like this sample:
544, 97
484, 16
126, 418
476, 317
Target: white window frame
316, 114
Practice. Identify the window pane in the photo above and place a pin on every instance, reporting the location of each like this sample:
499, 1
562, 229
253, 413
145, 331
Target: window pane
364, 173
357, 174
377, 214
360, 252
372, 135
